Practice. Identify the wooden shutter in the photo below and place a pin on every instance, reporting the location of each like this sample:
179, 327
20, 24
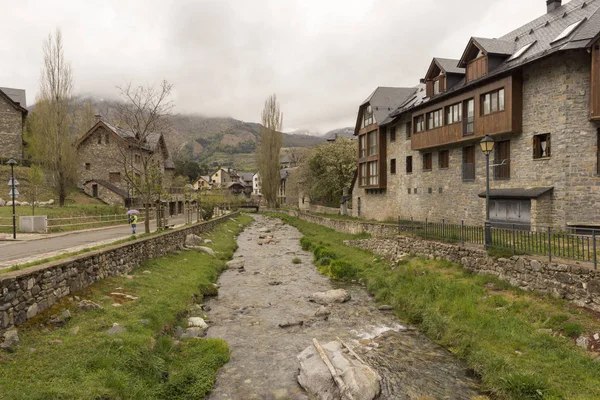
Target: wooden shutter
548, 147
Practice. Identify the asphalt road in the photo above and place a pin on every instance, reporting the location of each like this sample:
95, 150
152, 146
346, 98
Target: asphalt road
38, 248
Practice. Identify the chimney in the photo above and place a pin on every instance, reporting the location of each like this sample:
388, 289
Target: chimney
422, 80
98, 117
553, 4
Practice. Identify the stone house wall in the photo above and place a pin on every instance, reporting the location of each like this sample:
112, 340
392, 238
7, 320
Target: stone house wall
575, 283
11, 130
555, 101
28, 292
104, 194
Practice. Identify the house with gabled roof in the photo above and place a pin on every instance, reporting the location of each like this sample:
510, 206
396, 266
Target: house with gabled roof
104, 152
13, 112
535, 91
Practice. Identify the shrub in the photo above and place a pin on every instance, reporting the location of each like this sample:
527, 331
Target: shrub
305, 243
343, 270
296, 260
324, 261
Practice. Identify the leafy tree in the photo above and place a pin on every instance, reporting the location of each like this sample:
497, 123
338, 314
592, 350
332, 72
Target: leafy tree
48, 128
270, 147
329, 169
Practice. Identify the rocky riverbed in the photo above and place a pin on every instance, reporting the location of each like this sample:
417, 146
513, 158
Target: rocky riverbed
263, 312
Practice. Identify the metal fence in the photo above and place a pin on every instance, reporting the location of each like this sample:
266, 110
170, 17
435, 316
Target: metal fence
517, 239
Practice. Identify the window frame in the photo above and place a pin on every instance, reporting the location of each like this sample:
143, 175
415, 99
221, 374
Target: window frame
367, 116
470, 176
494, 104
468, 121
408, 130
537, 146
392, 166
444, 161
364, 174
427, 162
372, 147
450, 110
392, 133
373, 177
419, 123
431, 119
362, 145
409, 164
501, 172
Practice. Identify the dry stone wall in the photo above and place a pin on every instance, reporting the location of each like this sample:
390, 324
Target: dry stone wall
571, 282
26, 293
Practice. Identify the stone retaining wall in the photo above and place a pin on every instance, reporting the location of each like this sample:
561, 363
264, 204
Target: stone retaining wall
575, 283
345, 226
28, 292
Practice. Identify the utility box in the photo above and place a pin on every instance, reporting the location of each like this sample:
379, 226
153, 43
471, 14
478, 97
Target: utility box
30, 224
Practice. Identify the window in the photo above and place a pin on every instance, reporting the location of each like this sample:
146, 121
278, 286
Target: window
521, 51
541, 146
137, 158
419, 124
409, 164
106, 138
373, 175
492, 102
94, 190
393, 134
393, 166
444, 159
567, 31
100, 139
434, 119
502, 153
469, 121
430, 190
367, 116
362, 146
436, 87
363, 174
415, 190
408, 190
88, 166
114, 176
372, 139
408, 130
453, 114
468, 165
427, 161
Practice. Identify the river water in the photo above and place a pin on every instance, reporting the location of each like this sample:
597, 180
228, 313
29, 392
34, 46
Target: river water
271, 290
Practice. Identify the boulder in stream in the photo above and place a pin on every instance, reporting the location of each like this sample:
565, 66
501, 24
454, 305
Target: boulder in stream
330, 297
358, 379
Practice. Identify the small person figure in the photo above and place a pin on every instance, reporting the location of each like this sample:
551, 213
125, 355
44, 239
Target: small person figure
133, 221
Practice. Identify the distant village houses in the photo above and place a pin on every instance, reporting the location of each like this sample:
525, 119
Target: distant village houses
535, 91
13, 112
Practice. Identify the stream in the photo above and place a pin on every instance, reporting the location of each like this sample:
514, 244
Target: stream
271, 290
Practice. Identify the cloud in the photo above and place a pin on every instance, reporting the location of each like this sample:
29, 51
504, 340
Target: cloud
225, 57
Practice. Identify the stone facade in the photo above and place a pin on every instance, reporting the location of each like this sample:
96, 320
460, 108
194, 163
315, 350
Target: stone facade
575, 283
556, 101
11, 129
28, 292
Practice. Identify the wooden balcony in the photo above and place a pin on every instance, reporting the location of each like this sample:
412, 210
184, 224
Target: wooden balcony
500, 122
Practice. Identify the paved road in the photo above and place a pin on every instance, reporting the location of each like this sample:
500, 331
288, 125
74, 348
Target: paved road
29, 251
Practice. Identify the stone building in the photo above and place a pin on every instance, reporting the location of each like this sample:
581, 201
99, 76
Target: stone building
107, 155
535, 91
13, 112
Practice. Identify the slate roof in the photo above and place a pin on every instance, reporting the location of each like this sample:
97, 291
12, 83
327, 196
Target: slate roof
418, 97
542, 31
384, 100
247, 177
449, 65
16, 95
518, 193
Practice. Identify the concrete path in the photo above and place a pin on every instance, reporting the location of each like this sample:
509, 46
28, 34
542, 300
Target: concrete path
20, 252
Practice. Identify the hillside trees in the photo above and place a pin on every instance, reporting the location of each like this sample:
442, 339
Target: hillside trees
270, 147
144, 111
49, 126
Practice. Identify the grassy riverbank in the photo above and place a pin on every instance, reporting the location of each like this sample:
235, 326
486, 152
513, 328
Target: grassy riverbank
81, 361
520, 344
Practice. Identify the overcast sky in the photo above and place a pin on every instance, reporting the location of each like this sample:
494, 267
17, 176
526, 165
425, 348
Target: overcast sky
225, 57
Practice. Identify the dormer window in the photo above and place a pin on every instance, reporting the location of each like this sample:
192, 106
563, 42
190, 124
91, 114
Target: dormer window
436, 87
367, 116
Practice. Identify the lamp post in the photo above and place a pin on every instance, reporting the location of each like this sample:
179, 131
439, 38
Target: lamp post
13, 194
487, 145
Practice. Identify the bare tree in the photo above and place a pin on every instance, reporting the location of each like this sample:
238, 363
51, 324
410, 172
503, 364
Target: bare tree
144, 117
36, 179
270, 147
49, 126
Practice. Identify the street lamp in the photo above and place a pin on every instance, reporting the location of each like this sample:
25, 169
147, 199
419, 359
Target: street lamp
13, 194
487, 145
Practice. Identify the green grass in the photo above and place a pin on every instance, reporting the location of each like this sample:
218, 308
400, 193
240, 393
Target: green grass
142, 363
495, 328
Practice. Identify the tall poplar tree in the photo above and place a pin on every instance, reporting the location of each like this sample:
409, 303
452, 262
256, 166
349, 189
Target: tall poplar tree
270, 147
